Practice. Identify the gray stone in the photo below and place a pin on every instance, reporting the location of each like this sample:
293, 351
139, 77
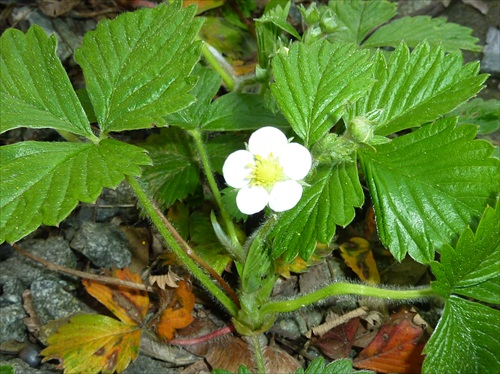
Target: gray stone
12, 292
11, 323
491, 52
52, 301
55, 250
21, 367
104, 244
145, 365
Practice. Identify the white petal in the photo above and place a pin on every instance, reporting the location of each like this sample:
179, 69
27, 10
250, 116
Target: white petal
296, 161
285, 195
251, 200
266, 140
237, 167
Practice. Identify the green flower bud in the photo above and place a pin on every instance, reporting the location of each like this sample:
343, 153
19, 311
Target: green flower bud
310, 15
360, 129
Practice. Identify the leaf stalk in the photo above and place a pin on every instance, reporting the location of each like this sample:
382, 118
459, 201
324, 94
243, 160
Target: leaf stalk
343, 288
159, 221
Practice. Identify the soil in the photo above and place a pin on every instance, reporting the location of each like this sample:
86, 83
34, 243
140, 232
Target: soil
114, 222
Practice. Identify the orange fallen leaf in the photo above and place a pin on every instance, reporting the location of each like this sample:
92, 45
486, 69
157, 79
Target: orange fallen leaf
397, 348
359, 257
129, 305
94, 343
172, 319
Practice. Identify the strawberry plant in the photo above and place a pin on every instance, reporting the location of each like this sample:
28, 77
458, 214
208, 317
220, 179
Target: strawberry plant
371, 113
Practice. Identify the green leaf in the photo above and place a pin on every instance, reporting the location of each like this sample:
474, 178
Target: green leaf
43, 182
329, 200
356, 18
137, 66
339, 366
174, 173
472, 269
239, 111
427, 186
204, 241
415, 88
220, 146
314, 83
414, 30
479, 112
35, 91
465, 340
206, 88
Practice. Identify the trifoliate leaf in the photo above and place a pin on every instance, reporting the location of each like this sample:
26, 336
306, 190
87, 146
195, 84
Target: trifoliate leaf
472, 268
136, 66
414, 30
483, 113
415, 88
35, 91
43, 182
205, 89
329, 200
465, 340
356, 18
239, 111
427, 186
174, 173
314, 83
93, 344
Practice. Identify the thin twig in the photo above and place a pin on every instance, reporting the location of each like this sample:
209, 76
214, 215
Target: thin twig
82, 274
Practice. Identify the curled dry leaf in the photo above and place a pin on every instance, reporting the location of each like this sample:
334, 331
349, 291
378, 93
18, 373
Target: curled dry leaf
396, 348
129, 305
178, 315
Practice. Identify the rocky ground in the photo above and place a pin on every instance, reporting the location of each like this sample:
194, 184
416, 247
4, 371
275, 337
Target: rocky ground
111, 233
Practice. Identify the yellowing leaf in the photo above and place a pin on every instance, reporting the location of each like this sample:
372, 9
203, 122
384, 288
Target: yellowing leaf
204, 5
94, 343
172, 319
129, 305
359, 257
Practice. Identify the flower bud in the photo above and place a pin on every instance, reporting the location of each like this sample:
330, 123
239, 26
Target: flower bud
360, 129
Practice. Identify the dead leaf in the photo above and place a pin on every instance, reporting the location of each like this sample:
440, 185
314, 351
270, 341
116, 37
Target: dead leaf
337, 342
129, 305
478, 4
172, 319
220, 357
94, 343
57, 8
396, 348
358, 256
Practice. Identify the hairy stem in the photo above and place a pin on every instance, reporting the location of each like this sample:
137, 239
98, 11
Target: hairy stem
237, 249
220, 65
171, 237
257, 352
342, 288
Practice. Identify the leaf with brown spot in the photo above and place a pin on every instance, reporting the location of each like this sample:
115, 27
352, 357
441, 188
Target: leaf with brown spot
172, 319
396, 348
359, 257
129, 305
337, 342
94, 343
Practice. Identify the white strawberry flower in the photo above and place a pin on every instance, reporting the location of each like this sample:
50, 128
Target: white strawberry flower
268, 172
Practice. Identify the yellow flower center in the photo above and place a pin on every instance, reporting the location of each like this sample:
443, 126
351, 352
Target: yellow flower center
266, 172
